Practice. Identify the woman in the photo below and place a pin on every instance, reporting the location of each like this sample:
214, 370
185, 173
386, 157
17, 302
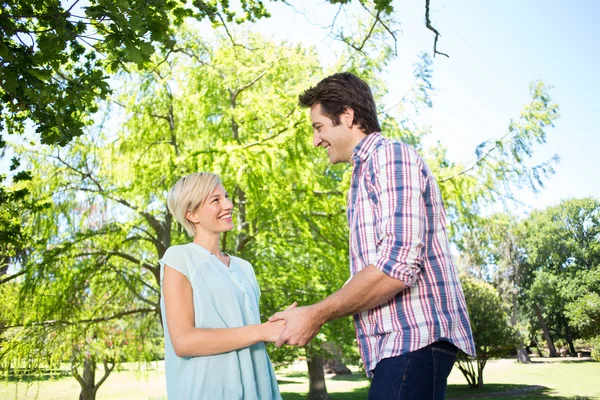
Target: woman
214, 341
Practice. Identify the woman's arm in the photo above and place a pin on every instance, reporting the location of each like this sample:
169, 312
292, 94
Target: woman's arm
189, 341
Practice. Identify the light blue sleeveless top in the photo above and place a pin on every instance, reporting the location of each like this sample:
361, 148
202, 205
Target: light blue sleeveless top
223, 298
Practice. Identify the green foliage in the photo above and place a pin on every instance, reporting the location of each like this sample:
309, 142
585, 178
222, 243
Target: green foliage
16, 206
491, 331
561, 244
97, 270
563, 239
596, 348
56, 57
584, 314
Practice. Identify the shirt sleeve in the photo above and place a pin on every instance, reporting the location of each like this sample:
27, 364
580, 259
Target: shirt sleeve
175, 258
395, 183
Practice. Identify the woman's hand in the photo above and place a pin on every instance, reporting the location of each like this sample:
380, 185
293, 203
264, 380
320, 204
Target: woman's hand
272, 330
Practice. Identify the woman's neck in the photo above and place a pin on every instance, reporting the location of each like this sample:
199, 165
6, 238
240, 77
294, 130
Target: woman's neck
209, 241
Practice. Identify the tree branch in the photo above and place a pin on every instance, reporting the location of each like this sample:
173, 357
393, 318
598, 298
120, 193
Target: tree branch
431, 28
273, 136
87, 321
236, 92
107, 371
13, 276
478, 161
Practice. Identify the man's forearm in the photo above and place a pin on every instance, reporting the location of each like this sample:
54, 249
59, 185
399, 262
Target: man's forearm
367, 289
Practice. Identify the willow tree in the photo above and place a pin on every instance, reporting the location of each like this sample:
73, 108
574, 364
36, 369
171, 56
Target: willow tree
211, 107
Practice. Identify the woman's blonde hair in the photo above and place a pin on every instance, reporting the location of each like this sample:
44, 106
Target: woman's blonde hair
189, 193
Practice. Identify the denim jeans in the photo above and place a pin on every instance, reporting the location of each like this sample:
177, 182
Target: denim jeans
418, 375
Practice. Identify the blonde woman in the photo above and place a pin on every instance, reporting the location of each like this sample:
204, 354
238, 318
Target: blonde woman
214, 340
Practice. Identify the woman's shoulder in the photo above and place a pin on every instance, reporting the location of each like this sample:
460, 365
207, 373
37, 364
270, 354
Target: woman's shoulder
244, 264
176, 250
188, 253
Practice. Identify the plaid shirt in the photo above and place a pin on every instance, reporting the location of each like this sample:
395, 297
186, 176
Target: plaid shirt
398, 224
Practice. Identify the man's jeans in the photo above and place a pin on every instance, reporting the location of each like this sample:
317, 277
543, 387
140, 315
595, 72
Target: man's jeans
419, 375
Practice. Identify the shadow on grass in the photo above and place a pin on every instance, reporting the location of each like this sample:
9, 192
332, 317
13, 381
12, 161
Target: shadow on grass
302, 374
34, 376
356, 394
350, 377
288, 382
456, 392
502, 391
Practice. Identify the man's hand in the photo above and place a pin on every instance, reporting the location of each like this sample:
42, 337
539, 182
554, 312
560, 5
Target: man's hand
302, 324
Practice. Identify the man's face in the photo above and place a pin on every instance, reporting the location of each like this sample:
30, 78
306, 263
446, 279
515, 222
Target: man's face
335, 139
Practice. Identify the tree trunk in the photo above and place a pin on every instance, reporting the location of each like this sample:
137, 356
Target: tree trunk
537, 347
480, 380
522, 355
317, 389
88, 380
569, 339
334, 363
551, 347
465, 365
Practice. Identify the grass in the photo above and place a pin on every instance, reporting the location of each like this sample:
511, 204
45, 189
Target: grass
550, 380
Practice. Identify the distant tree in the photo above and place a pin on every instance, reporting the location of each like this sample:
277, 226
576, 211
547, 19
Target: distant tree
491, 329
561, 243
583, 311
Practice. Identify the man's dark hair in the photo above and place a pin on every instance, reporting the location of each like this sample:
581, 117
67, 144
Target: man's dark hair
340, 91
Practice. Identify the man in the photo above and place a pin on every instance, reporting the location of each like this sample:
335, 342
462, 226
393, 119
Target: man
409, 310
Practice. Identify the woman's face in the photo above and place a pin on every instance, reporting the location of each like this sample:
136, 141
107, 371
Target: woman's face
214, 215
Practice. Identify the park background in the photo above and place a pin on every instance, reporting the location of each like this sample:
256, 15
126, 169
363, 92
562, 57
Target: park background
506, 122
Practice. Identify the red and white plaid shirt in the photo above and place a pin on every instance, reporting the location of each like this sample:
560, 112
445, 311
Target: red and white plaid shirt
398, 224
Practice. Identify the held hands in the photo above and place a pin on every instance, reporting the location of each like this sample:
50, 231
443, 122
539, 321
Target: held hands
272, 329
301, 325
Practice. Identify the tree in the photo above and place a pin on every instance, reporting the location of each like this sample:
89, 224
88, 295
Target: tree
511, 270
563, 239
584, 314
57, 57
561, 243
109, 221
491, 331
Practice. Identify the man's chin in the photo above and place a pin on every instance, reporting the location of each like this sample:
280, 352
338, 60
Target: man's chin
335, 160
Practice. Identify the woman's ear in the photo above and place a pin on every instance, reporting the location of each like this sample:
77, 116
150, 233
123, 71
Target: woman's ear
190, 216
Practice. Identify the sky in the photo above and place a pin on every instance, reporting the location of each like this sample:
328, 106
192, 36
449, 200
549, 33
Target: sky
496, 50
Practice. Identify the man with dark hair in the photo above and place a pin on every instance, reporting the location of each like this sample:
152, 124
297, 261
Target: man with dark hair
409, 309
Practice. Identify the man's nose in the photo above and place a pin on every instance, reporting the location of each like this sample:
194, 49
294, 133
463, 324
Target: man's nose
316, 139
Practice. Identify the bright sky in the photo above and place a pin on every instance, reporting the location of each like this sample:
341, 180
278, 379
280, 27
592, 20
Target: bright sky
496, 49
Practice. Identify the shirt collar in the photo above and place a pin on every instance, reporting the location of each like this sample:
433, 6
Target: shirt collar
365, 147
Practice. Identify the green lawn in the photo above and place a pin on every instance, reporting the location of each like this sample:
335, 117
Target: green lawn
560, 380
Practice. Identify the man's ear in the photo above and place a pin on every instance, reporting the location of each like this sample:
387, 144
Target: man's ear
348, 117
